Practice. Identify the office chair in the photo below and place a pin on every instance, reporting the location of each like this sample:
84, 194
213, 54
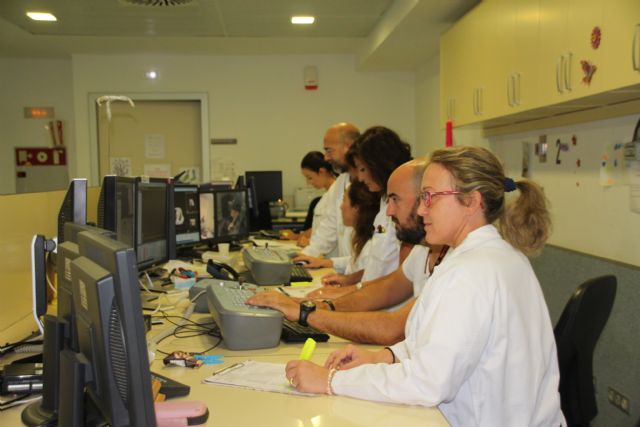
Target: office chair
577, 333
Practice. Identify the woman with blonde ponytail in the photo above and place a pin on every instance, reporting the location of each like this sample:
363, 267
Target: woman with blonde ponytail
479, 343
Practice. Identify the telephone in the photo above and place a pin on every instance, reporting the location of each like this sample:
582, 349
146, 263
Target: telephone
220, 270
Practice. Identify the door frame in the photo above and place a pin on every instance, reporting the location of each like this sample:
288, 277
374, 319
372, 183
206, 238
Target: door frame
202, 98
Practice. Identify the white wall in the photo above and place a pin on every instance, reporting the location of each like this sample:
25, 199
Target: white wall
31, 83
260, 100
587, 217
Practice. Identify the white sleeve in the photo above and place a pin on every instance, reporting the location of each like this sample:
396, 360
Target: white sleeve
384, 255
340, 263
324, 237
437, 358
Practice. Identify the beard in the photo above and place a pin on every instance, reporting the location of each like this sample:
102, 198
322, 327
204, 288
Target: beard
412, 233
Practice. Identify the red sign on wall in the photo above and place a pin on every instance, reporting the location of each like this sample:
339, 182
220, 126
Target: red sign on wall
41, 156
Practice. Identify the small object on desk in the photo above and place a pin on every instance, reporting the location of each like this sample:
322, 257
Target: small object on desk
281, 289
170, 388
307, 349
182, 358
209, 359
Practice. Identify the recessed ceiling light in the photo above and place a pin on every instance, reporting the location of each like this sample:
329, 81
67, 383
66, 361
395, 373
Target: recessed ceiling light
41, 16
151, 74
302, 20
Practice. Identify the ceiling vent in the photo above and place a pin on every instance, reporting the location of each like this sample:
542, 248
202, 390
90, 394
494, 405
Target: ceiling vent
158, 3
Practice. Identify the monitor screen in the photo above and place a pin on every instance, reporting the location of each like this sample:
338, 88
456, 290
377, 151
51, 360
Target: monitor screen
74, 206
111, 337
151, 225
264, 187
187, 214
231, 215
207, 219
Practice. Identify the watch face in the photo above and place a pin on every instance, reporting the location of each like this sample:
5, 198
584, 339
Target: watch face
308, 304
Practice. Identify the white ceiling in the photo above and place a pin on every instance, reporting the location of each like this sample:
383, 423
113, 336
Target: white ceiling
383, 34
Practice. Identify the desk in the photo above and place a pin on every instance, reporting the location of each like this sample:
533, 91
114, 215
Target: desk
230, 406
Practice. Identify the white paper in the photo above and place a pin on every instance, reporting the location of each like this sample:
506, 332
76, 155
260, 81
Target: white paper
120, 166
255, 376
634, 186
160, 170
154, 146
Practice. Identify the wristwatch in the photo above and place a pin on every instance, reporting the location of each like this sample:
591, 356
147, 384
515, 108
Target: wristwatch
306, 307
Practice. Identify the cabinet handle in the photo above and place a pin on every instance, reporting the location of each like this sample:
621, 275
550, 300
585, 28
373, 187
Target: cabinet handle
559, 66
634, 49
480, 101
474, 103
509, 96
516, 88
567, 71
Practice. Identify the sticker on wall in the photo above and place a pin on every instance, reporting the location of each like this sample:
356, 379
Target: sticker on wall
159, 170
596, 37
561, 146
612, 168
541, 149
120, 166
588, 70
191, 174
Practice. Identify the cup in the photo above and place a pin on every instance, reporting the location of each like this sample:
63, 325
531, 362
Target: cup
223, 249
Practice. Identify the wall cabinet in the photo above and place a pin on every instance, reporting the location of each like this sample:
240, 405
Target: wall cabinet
524, 59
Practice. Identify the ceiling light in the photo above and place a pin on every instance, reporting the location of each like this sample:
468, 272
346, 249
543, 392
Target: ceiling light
41, 16
302, 20
151, 74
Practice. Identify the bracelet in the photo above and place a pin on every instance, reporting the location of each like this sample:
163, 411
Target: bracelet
358, 286
332, 372
393, 355
330, 304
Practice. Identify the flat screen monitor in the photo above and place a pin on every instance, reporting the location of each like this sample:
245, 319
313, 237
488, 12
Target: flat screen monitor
74, 206
207, 214
187, 214
231, 215
264, 187
111, 365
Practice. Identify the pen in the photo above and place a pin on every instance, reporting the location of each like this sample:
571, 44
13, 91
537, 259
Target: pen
228, 368
283, 291
307, 349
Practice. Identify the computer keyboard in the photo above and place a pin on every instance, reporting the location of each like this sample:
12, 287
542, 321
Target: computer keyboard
295, 332
300, 274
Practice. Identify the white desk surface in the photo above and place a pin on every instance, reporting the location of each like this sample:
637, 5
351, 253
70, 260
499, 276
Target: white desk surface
229, 406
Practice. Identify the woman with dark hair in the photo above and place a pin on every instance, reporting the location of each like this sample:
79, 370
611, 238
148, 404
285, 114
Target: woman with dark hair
373, 157
359, 208
319, 174
479, 342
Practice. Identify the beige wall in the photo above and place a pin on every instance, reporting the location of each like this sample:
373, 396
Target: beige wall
260, 100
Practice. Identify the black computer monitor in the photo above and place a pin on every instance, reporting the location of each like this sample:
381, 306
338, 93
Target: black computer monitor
207, 214
74, 206
263, 187
187, 214
110, 366
231, 215
141, 212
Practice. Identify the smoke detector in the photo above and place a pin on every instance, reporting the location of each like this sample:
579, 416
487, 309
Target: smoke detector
159, 3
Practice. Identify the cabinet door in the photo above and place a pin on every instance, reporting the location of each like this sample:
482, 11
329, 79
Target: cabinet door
621, 44
524, 78
552, 48
584, 16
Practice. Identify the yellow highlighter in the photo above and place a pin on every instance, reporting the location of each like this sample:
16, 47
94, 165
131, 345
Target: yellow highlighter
307, 349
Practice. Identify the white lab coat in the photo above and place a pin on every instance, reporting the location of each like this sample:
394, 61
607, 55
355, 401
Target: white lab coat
326, 237
479, 343
384, 256
320, 210
415, 268
358, 264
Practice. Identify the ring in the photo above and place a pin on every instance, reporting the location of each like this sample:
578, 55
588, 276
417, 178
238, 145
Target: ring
291, 382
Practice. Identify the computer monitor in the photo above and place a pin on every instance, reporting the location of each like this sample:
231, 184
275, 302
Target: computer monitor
207, 213
187, 214
141, 212
74, 206
110, 366
264, 187
231, 215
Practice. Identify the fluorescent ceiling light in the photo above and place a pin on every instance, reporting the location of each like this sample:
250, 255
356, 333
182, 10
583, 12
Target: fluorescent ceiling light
41, 16
302, 19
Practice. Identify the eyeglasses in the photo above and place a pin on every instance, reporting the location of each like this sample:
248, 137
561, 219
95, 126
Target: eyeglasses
426, 197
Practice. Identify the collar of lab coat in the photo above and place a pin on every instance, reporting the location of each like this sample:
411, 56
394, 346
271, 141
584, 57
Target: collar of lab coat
477, 237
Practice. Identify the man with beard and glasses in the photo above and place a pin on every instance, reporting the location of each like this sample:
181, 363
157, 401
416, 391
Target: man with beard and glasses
349, 316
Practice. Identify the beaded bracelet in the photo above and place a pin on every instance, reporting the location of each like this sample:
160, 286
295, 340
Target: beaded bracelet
332, 372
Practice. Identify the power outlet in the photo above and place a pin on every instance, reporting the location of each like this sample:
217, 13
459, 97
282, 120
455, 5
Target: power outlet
618, 400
